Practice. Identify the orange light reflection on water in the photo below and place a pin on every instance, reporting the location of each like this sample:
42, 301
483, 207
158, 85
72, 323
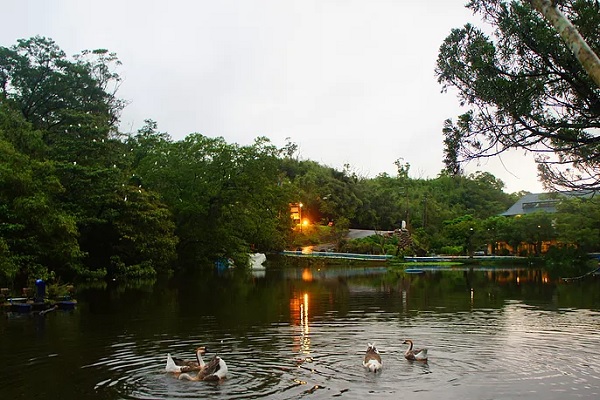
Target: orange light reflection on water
299, 311
307, 275
304, 315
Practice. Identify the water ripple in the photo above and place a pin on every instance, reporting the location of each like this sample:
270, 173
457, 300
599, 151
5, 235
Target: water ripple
499, 351
514, 350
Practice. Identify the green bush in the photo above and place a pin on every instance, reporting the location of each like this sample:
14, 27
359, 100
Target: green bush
451, 250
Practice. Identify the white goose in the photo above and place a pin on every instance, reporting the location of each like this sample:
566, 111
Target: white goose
372, 359
177, 365
414, 354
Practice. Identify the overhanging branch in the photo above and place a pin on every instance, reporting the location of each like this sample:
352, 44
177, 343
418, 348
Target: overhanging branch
584, 54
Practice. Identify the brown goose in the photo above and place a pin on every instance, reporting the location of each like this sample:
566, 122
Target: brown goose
414, 354
372, 359
214, 370
177, 365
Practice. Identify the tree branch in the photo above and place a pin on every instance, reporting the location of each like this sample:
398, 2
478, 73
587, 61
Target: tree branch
588, 59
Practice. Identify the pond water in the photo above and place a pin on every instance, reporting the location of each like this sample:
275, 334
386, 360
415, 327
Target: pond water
300, 330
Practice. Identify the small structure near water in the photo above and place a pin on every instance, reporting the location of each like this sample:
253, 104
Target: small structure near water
39, 302
257, 260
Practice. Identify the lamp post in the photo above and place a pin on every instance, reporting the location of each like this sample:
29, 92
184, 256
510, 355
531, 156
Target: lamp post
470, 242
300, 205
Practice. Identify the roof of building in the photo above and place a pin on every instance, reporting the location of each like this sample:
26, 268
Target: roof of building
547, 202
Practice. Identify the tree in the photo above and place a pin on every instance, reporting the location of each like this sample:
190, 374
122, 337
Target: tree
147, 141
586, 56
494, 228
451, 149
464, 231
526, 90
144, 241
37, 78
38, 238
326, 193
226, 198
91, 212
536, 228
382, 201
578, 223
511, 232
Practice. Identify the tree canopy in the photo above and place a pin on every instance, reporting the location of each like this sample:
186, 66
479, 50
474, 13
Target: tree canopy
69, 207
525, 89
80, 200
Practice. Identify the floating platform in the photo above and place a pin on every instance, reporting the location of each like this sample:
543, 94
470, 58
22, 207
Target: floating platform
414, 271
24, 305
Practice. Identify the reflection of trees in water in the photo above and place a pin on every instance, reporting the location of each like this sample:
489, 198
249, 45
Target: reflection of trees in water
455, 289
238, 302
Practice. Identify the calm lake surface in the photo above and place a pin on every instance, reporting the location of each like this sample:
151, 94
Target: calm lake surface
300, 329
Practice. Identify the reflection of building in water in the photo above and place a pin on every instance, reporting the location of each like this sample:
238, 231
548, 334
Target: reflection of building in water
307, 275
482, 283
299, 317
519, 276
320, 271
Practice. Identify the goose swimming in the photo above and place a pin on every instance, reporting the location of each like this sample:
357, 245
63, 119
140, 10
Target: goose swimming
214, 370
414, 354
372, 359
177, 365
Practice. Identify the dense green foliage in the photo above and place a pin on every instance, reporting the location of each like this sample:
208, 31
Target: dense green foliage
69, 207
225, 199
80, 200
524, 89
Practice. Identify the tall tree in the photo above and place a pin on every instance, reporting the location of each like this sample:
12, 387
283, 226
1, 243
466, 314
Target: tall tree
38, 238
72, 106
452, 136
326, 193
525, 89
226, 198
50, 90
582, 51
578, 223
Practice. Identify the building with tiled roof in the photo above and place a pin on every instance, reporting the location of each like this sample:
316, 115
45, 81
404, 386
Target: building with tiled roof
547, 202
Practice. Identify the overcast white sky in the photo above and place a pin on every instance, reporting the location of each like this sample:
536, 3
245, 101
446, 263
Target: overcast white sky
349, 81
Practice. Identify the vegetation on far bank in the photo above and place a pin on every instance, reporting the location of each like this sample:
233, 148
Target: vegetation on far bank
81, 200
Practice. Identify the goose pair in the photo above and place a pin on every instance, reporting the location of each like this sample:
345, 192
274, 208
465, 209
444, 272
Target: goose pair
373, 363
214, 370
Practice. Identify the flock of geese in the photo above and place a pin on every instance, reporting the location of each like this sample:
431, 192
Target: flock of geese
216, 368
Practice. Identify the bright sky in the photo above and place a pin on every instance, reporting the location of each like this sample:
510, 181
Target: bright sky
350, 81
